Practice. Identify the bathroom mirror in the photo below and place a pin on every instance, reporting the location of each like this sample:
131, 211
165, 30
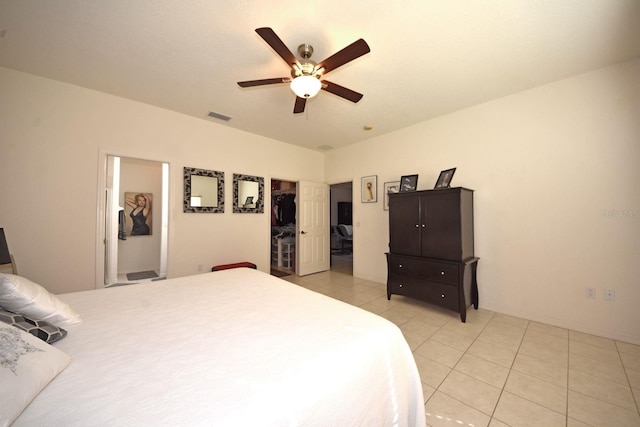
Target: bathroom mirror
248, 194
203, 190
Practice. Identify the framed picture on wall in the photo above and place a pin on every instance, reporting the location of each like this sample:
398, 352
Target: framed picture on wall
138, 213
369, 189
444, 180
408, 183
389, 187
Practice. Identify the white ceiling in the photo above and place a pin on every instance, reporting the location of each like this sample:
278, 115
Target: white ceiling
428, 57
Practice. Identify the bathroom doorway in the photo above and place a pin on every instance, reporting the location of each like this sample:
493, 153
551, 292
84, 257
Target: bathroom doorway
135, 220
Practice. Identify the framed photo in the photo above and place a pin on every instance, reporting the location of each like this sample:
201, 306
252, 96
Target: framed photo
408, 183
444, 180
370, 189
138, 213
389, 187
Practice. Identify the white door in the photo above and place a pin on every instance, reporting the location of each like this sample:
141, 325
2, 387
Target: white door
313, 228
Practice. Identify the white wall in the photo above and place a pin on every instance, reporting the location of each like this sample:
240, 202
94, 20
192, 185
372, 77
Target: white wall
555, 171
557, 207
53, 137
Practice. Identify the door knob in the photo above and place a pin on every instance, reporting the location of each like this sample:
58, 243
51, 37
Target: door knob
303, 232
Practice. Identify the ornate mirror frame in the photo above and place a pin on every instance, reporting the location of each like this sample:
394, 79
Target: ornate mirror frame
237, 206
188, 173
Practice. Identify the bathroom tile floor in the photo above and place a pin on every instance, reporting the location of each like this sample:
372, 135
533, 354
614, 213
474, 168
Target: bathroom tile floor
497, 370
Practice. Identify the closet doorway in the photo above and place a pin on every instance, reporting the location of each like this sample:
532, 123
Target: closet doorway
342, 227
283, 227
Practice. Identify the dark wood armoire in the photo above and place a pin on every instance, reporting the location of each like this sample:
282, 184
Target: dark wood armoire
431, 248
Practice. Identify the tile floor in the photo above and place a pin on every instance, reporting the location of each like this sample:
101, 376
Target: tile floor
497, 370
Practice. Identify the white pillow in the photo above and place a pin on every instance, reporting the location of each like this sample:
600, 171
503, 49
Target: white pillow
27, 365
22, 296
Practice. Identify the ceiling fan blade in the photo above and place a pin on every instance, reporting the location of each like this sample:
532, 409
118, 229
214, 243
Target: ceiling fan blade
299, 105
278, 45
349, 53
341, 91
262, 82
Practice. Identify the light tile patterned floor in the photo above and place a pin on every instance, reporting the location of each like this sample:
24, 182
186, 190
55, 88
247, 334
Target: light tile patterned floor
497, 370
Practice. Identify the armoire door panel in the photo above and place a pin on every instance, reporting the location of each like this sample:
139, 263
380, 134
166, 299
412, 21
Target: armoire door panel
404, 225
441, 234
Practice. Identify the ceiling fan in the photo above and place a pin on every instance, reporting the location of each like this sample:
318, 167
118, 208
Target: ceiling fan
306, 76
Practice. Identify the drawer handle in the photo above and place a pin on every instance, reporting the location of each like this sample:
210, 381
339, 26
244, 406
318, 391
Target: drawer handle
399, 265
417, 225
400, 284
442, 295
442, 272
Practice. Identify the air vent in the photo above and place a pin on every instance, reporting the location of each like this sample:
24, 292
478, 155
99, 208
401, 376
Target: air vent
219, 116
326, 147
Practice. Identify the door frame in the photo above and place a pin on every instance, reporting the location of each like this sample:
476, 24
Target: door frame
353, 209
101, 211
297, 181
267, 205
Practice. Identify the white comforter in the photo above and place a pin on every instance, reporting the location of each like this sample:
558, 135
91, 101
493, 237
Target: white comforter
229, 348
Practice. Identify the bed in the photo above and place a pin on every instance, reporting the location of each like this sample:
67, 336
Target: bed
230, 348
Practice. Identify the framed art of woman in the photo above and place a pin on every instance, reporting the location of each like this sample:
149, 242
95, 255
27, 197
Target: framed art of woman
139, 206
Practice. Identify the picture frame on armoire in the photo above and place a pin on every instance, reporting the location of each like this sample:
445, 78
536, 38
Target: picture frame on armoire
408, 183
389, 188
444, 180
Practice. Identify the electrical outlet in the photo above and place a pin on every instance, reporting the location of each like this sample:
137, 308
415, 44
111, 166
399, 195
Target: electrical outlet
610, 295
590, 293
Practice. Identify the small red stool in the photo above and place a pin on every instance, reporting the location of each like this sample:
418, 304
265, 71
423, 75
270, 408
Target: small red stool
236, 265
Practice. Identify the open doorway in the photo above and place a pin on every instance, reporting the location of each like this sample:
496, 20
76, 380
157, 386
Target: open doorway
342, 227
136, 220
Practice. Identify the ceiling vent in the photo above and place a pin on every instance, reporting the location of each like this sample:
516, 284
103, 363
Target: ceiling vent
219, 116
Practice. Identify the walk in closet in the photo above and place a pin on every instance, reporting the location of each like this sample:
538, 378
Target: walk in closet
283, 226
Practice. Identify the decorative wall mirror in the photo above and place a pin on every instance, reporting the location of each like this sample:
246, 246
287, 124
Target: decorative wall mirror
248, 194
203, 190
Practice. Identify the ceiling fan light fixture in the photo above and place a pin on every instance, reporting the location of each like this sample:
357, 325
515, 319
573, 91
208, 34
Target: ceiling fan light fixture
305, 73
306, 86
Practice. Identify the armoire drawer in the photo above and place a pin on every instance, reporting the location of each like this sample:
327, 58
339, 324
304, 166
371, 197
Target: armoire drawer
443, 295
441, 272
